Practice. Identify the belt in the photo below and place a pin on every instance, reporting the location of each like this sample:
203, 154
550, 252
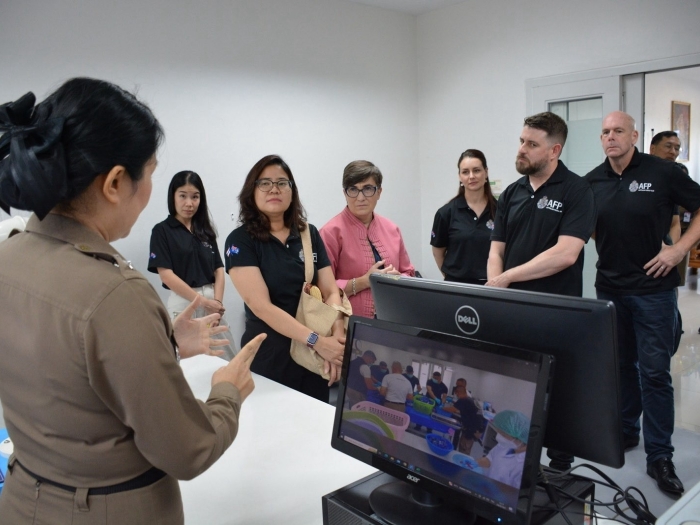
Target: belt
143, 480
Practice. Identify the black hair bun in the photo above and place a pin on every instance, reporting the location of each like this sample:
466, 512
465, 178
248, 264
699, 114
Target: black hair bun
32, 165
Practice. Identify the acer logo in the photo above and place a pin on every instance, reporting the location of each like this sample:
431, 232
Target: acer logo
467, 320
413, 478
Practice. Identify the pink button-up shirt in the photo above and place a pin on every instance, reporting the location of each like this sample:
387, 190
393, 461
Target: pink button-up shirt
347, 243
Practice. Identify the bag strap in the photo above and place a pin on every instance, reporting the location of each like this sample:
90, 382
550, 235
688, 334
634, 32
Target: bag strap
308, 254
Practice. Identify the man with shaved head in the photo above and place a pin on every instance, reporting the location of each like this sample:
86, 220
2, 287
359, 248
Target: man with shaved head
635, 195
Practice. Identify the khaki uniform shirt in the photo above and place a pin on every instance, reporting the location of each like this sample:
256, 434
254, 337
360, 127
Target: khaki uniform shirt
91, 390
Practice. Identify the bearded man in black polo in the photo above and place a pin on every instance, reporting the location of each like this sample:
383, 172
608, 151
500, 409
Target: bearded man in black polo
542, 222
635, 195
543, 219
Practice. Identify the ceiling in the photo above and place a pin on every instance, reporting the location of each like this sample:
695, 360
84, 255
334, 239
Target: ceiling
414, 7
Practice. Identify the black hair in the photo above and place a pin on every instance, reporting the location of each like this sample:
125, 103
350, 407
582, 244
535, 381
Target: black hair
51, 153
202, 223
257, 224
369, 353
662, 135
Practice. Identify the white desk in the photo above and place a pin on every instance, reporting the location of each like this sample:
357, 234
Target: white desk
280, 464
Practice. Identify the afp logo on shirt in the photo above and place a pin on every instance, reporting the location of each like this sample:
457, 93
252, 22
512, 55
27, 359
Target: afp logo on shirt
545, 203
640, 186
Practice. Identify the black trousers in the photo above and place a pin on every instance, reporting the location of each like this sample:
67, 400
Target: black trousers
274, 362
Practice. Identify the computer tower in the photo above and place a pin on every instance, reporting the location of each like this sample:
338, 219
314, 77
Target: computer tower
350, 504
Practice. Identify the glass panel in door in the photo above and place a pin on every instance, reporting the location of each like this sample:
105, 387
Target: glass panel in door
582, 152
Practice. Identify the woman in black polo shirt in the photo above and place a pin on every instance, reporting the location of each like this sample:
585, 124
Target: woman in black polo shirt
264, 258
185, 255
461, 234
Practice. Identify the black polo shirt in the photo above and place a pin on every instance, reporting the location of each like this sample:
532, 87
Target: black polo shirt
378, 373
472, 421
530, 222
467, 239
438, 388
634, 215
281, 265
414, 381
175, 248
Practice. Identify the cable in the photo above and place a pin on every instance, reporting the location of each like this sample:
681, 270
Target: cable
578, 513
642, 514
553, 496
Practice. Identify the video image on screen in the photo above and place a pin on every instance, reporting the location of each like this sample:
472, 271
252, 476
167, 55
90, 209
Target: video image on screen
472, 437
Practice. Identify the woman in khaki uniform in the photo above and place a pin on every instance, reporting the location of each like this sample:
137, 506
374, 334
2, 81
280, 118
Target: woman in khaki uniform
102, 420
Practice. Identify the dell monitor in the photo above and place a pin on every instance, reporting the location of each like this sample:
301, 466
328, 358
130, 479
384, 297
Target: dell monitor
445, 470
585, 410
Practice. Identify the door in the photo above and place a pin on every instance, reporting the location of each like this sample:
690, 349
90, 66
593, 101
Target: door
582, 104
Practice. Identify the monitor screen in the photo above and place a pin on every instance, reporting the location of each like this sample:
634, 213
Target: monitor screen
584, 416
476, 448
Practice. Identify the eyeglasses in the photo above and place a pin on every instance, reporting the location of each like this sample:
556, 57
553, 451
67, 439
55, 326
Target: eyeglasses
267, 184
354, 191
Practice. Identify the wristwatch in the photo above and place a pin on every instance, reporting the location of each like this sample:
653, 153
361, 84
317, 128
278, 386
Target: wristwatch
312, 340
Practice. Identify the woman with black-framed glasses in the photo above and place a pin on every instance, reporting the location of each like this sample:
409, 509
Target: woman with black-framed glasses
265, 260
359, 242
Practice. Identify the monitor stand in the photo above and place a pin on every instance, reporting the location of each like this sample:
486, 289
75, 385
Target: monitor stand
351, 504
402, 504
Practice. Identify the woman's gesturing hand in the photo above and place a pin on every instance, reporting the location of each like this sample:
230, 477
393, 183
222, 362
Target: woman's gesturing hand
193, 336
237, 371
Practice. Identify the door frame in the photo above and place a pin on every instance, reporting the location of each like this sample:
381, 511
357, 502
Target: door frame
651, 66
621, 87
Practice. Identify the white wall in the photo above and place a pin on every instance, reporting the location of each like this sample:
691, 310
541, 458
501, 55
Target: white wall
660, 89
320, 82
474, 58
324, 82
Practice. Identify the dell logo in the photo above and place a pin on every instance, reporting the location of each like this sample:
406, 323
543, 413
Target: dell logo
410, 477
467, 320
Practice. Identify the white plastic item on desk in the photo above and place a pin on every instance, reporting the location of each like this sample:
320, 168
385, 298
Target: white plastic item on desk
6, 448
13, 223
685, 511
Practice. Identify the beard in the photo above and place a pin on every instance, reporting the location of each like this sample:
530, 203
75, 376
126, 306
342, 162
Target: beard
529, 168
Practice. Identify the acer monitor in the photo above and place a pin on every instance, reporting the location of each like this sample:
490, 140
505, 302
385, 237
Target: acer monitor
585, 410
442, 474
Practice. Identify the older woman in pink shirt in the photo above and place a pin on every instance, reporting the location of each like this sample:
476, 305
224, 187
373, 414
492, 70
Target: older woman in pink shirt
359, 242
